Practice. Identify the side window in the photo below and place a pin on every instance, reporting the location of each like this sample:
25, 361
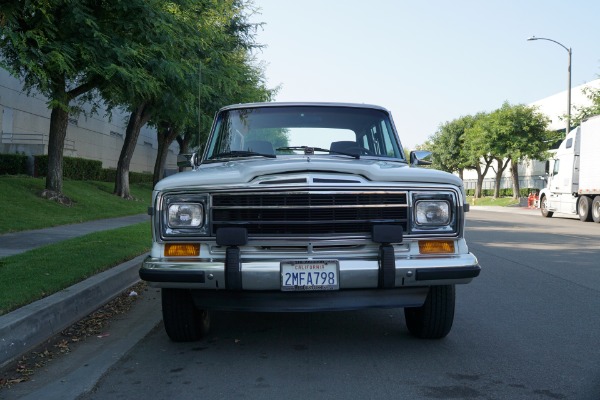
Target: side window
556, 165
569, 143
388, 141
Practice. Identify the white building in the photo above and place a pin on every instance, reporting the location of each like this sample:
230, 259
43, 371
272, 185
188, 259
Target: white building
25, 123
530, 172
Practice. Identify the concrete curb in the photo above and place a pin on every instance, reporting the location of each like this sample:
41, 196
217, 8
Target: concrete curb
29, 326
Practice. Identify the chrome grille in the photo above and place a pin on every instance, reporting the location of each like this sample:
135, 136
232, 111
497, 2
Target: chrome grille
309, 213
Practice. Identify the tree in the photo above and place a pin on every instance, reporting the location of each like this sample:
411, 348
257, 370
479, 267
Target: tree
227, 75
585, 112
171, 53
515, 133
64, 49
447, 146
477, 149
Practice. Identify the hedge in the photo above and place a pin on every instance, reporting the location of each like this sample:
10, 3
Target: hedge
523, 192
13, 164
110, 175
80, 169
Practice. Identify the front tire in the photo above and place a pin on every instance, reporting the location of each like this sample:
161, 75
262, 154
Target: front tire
433, 320
596, 209
544, 207
584, 208
183, 321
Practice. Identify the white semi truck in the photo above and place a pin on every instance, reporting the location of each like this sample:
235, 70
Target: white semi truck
573, 184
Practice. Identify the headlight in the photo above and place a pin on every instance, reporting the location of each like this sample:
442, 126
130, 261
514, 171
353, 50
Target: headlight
186, 215
432, 212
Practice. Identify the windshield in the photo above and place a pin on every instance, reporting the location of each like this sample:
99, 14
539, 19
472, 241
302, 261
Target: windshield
286, 130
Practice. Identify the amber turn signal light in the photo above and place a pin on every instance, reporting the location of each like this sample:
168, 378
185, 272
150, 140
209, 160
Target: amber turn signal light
436, 246
182, 249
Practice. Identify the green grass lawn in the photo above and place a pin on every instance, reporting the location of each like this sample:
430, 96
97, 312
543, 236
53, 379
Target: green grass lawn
35, 274
30, 276
23, 208
490, 201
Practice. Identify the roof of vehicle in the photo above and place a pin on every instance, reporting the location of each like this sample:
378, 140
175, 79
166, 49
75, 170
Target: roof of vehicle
296, 104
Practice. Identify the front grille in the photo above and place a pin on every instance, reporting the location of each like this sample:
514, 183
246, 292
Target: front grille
309, 213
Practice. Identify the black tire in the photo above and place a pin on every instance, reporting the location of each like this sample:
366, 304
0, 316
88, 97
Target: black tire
584, 208
544, 207
595, 211
433, 320
183, 321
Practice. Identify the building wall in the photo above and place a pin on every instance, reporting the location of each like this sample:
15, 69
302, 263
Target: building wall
25, 123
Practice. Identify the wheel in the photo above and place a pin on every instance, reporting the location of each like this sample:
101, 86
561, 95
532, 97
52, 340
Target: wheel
433, 320
544, 207
183, 321
584, 208
596, 209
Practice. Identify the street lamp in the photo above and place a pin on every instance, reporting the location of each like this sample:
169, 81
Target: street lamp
569, 81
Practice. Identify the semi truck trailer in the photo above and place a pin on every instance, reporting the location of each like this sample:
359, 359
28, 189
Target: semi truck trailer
573, 175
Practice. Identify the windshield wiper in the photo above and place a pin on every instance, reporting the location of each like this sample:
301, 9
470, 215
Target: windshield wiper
241, 153
311, 150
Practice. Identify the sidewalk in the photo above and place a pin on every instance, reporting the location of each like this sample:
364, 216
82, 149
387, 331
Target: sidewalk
513, 210
20, 242
29, 326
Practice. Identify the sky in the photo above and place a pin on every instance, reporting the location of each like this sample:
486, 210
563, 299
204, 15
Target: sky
428, 62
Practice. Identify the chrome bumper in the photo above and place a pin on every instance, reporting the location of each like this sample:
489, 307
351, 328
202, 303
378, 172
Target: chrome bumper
257, 275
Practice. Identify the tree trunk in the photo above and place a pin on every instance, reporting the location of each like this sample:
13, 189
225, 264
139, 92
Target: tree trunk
184, 144
514, 170
481, 173
479, 186
137, 120
59, 119
166, 135
499, 172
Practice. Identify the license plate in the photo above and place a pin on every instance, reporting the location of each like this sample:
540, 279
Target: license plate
304, 275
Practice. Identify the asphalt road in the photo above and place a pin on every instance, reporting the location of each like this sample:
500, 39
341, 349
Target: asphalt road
527, 328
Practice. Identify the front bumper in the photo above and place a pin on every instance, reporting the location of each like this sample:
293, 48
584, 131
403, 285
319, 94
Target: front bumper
265, 275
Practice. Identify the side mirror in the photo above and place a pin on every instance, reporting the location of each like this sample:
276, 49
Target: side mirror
187, 160
420, 157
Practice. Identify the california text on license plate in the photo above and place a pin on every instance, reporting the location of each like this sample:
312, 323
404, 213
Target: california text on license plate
309, 275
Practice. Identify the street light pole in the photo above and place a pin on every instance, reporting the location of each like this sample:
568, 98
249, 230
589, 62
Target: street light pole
568, 49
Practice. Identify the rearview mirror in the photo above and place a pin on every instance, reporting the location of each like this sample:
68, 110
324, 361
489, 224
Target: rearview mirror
187, 160
420, 157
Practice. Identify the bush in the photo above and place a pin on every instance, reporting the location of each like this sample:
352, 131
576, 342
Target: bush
13, 164
506, 192
110, 175
78, 169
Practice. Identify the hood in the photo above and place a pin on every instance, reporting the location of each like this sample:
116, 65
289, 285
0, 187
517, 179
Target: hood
246, 171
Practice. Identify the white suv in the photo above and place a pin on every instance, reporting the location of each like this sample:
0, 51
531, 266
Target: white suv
306, 207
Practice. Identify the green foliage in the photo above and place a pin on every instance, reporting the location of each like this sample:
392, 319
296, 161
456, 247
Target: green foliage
109, 175
581, 113
13, 164
75, 168
505, 192
519, 131
447, 145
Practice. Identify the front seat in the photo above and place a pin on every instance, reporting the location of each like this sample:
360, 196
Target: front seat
343, 146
